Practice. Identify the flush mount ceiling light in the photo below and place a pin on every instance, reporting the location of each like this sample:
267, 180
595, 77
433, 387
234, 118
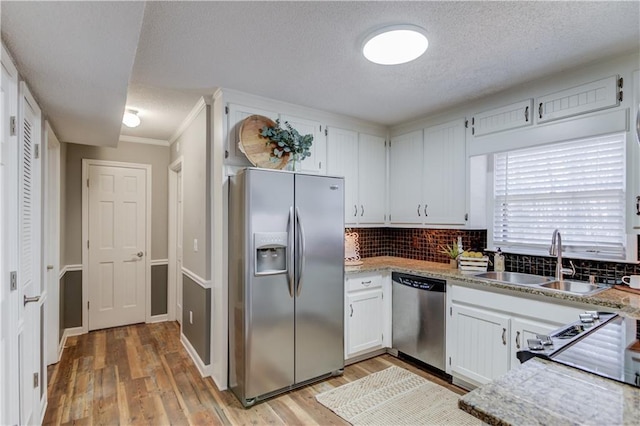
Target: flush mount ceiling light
395, 45
130, 118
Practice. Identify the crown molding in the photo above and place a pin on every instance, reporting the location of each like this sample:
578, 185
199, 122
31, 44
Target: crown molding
148, 141
202, 102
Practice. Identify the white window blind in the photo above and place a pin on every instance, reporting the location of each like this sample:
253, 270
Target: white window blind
577, 187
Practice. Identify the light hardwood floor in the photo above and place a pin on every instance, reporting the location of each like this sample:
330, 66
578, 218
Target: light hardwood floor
141, 374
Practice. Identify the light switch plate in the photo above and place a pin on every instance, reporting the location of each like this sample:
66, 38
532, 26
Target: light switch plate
195, 245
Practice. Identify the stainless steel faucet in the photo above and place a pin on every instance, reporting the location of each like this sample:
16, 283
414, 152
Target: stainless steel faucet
556, 250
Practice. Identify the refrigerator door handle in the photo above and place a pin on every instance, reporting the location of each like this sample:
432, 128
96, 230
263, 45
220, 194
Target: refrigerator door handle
290, 251
302, 250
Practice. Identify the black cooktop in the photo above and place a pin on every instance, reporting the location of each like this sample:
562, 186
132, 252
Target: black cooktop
607, 347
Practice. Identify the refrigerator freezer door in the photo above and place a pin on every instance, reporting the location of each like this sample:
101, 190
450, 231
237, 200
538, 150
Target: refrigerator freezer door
320, 276
269, 306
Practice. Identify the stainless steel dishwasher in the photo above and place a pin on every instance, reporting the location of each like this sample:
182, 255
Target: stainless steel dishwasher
419, 318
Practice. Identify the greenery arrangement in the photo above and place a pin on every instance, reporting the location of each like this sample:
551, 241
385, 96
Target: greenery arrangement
451, 251
287, 140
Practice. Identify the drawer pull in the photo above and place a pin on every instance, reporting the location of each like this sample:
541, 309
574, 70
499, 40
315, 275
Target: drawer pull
418, 210
366, 283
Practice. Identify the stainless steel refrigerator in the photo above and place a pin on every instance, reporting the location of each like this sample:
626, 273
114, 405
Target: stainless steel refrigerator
286, 281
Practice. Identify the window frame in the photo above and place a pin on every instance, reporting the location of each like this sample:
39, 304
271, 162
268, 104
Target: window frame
629, 241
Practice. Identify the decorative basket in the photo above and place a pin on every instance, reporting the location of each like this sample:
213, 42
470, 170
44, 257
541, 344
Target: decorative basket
257, 148
476, 264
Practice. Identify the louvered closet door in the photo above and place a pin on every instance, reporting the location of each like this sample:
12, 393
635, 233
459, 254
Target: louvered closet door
30, 245
117, 245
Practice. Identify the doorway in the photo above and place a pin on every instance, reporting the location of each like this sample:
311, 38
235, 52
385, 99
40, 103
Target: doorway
116, 229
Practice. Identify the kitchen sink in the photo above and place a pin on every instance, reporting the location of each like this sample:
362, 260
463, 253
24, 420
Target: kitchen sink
575, 287
515, 278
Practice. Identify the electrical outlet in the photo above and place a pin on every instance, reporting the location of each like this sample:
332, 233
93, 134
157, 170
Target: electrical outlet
190, 317
195, 245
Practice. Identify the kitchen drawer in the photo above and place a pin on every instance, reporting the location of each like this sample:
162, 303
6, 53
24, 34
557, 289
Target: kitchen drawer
363, 281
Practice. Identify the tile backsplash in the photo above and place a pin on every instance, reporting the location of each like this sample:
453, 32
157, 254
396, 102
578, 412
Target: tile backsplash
413, 243
424, 244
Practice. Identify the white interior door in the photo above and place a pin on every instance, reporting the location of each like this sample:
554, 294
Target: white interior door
117, 245
30, 260
51, 237
9, 378
179, 244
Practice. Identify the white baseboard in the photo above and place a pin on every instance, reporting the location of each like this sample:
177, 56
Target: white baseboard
68, 332
205, 370
159, 318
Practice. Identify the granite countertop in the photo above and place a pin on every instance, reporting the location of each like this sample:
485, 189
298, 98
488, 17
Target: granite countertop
542, 392
627, 304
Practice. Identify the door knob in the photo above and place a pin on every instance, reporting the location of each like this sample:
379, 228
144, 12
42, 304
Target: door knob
140, 254
30, 299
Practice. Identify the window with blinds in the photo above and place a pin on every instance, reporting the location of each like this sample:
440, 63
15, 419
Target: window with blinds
577, 187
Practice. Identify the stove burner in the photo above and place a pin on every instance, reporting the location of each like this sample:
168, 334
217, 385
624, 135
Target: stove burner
569, 332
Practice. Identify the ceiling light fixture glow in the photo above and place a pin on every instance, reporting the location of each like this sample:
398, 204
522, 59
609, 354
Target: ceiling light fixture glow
130, 118
395, 45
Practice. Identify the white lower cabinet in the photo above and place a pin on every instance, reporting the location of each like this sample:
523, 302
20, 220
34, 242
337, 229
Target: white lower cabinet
480, 343
486, 329
523, 329
367, 315
364, 330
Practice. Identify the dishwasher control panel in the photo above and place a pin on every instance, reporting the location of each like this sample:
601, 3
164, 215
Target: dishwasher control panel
422, 283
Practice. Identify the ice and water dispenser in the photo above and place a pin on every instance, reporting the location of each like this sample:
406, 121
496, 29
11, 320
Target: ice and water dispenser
271, 252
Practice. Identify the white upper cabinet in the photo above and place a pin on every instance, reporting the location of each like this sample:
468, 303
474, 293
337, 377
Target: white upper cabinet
405, 178
372, 179
518, 114
361, 159
235, 116
444, 174
594, 96
427, 176
342, 160
316, 163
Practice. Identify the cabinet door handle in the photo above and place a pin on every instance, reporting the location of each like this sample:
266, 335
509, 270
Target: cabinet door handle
419, 210
517, 340
526, 114
638, 205
425, 210
351, 306
504, 336
361, 210
355, 210
540, 110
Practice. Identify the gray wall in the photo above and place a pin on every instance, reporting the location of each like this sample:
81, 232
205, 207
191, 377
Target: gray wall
194, 148
158, 289
70, 300
157, 156
63, 203
197, 299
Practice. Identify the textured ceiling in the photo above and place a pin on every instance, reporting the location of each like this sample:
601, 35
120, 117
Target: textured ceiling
77, 58
308, 53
